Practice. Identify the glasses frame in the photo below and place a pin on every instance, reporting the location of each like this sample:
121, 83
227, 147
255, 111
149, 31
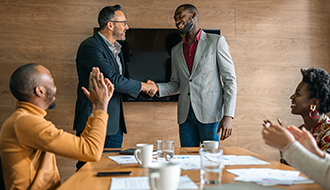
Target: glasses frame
120, 21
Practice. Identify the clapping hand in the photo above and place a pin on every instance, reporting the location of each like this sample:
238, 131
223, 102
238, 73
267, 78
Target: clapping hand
306, 139
276, 136
100, 90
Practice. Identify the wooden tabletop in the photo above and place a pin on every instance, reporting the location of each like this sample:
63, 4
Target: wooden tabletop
86, 177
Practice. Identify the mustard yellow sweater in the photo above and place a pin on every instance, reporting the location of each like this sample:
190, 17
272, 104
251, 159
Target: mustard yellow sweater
28, 144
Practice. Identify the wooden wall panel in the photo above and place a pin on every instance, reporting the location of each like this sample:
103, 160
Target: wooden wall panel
276, 52
269, 42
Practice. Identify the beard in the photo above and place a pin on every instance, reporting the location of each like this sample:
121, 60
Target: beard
117, 35
188, 26
53, 105
50, 98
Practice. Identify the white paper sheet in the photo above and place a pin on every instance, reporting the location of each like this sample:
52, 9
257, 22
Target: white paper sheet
126, 159
142, 183
242, 160
123, 159
187, 162
192, 162
266, 176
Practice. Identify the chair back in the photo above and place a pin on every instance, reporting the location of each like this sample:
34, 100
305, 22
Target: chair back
2, 183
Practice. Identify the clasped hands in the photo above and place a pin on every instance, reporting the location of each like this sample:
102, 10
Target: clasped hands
150, 88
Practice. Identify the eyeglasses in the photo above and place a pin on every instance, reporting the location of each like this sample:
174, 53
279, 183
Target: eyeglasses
123, 21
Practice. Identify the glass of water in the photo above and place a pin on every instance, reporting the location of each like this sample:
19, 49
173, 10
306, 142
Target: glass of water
211, 166
165, 150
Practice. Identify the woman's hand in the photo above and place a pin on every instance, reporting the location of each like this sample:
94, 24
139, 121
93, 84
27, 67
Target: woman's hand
276, 136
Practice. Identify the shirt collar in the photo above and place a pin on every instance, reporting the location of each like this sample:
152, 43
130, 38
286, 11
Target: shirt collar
198, 36
115, 48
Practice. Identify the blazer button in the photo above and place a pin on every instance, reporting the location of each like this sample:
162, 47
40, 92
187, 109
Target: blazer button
190, 80
188, 93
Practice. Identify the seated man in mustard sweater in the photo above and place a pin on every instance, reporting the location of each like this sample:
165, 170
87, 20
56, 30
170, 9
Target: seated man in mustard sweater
28, 142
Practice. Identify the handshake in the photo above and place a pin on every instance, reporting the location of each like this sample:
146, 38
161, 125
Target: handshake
149, 88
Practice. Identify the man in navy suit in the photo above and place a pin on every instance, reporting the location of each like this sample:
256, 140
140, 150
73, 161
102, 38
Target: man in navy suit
102, 50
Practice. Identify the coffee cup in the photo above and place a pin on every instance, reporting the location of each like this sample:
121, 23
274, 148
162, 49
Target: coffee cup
143, 154
210, 145
164, 176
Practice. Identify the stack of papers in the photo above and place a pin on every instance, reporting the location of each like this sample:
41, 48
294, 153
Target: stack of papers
142, 183
126, 159
268, 177
242, 160
191, 162
123, 159
240, 185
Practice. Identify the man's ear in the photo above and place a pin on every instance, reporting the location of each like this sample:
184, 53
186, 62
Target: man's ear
40, 91
110, 25
193, 14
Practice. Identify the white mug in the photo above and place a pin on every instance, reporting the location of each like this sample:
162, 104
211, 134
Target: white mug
210, 145
164, 176
143, 154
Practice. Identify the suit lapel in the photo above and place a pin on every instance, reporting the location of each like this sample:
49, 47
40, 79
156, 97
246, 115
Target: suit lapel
183, 60
110, 54
199, 52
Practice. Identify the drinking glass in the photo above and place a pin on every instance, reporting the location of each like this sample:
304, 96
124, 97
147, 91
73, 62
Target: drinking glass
165, 150
211, 166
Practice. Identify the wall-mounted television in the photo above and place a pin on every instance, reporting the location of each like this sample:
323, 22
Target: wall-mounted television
147, 56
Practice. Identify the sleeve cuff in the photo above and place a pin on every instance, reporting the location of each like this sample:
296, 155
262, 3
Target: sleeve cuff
287, 147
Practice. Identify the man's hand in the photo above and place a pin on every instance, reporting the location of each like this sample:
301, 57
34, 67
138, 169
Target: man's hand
226, 127
149, 88
100, 90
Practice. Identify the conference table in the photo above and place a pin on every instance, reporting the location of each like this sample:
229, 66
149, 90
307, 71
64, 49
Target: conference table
86, 177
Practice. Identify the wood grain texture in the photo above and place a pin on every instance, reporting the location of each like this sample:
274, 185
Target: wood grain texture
269, 42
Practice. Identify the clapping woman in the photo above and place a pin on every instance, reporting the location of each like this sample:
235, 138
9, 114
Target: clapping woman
311, 101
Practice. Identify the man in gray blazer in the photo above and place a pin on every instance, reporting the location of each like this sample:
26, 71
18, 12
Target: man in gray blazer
204, 75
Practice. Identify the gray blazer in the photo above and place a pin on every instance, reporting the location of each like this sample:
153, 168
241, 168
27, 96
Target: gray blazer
210, 88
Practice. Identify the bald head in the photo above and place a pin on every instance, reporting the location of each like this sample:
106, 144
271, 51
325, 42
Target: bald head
23, 81
33, 83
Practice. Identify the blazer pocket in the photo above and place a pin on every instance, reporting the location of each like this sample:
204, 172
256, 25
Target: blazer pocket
209, 54
208, 61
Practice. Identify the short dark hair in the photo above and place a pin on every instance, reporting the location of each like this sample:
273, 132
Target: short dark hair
23, 81
190, 7
106, 14
318, 84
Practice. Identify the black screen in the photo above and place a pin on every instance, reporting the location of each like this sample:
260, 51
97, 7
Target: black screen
147, 56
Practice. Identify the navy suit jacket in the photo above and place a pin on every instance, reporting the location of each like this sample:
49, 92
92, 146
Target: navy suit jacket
94, 52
